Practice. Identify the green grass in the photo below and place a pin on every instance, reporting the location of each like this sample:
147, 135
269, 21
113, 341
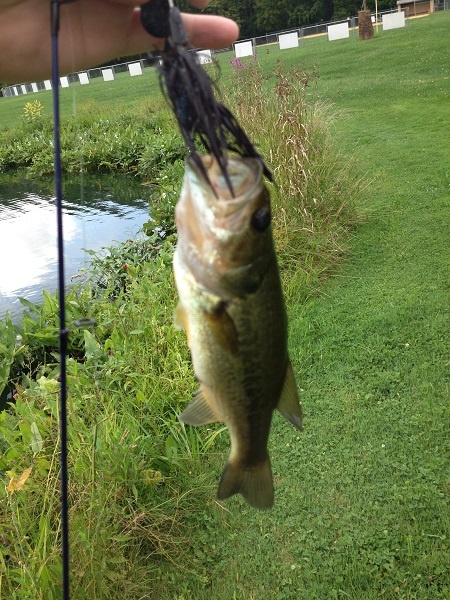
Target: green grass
362, 494
135, 475
123, 92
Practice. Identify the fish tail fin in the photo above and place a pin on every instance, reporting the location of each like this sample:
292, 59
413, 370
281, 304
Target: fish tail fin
254, 483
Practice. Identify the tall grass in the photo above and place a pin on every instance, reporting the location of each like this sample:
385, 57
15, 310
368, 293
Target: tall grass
130, 461
141, 140
314, 186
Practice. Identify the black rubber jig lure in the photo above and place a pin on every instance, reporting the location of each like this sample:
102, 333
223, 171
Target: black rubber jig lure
190, 92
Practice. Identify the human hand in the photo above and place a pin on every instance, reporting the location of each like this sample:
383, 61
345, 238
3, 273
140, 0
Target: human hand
91, 33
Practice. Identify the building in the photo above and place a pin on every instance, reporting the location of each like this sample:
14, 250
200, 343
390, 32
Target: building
415, 7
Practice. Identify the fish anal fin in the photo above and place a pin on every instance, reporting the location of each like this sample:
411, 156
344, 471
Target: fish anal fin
223, 328
179, 316
254, 483
289, 404
199, 410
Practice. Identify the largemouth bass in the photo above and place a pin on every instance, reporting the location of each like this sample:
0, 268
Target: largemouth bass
232, 308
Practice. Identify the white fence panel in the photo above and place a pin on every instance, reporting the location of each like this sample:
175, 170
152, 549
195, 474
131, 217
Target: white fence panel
64, 81
243, 49
338, 32
108, 74
288, 40
135, 69
84, 78
204, 56
393, 20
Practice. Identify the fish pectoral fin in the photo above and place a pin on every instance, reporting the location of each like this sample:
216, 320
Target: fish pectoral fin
289, 404
254, 483
199, 411
179, 316
223, 328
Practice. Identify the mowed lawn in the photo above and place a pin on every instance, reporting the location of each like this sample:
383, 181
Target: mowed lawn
362, 495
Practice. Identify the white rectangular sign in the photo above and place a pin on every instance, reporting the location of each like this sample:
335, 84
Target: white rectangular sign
393, 20
64, 81
338, 31
16, 93
204, 56
288, 40
135, 68
243, 49
108, 74
84, 78
48, 84
34, 87
24, 89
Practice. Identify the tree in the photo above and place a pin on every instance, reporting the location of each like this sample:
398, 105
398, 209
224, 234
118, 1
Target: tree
271, 16
241, 11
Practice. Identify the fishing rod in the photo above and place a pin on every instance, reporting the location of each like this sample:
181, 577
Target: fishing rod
63, 331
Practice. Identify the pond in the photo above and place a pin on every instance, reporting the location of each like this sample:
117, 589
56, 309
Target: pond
98, 211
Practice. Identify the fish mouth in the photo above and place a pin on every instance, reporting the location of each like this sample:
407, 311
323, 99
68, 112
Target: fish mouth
245, 176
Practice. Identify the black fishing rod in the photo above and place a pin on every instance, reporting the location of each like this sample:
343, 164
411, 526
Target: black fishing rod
63, 331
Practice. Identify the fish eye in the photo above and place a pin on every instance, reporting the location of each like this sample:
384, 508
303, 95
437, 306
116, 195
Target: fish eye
261, 218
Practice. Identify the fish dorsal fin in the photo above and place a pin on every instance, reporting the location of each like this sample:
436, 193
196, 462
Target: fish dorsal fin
199, 411
289, 404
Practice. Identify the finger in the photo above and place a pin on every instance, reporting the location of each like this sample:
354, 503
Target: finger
196, 3
209, 31
204, 31
199, 3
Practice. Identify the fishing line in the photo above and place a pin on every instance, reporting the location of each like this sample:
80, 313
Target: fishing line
63, 331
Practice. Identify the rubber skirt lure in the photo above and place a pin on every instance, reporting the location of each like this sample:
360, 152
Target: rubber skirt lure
190, 92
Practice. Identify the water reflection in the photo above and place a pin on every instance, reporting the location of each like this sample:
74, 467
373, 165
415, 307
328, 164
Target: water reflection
27, 243
97, 212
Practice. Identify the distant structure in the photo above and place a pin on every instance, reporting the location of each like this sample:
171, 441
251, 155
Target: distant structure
416, 7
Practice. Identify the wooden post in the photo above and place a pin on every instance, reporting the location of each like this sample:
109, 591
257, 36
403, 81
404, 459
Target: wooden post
365, 26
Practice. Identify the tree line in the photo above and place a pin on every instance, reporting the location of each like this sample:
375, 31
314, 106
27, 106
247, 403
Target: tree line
258, 17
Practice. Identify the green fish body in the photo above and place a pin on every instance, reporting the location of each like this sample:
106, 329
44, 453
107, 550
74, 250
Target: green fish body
232, 308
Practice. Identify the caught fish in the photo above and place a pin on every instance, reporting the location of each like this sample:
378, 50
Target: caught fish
232, 308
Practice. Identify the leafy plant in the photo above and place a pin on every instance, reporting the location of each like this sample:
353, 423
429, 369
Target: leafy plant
127, 142
32, 111
7, 351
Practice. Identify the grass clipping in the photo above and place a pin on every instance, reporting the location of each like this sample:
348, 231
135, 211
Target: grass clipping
314, 187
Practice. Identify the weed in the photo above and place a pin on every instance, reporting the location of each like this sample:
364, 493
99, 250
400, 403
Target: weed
32, 111
93, 141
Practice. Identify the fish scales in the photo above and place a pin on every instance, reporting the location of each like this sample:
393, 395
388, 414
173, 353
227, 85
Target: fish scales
232, 308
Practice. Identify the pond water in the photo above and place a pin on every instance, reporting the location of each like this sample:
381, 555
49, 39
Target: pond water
98, 211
